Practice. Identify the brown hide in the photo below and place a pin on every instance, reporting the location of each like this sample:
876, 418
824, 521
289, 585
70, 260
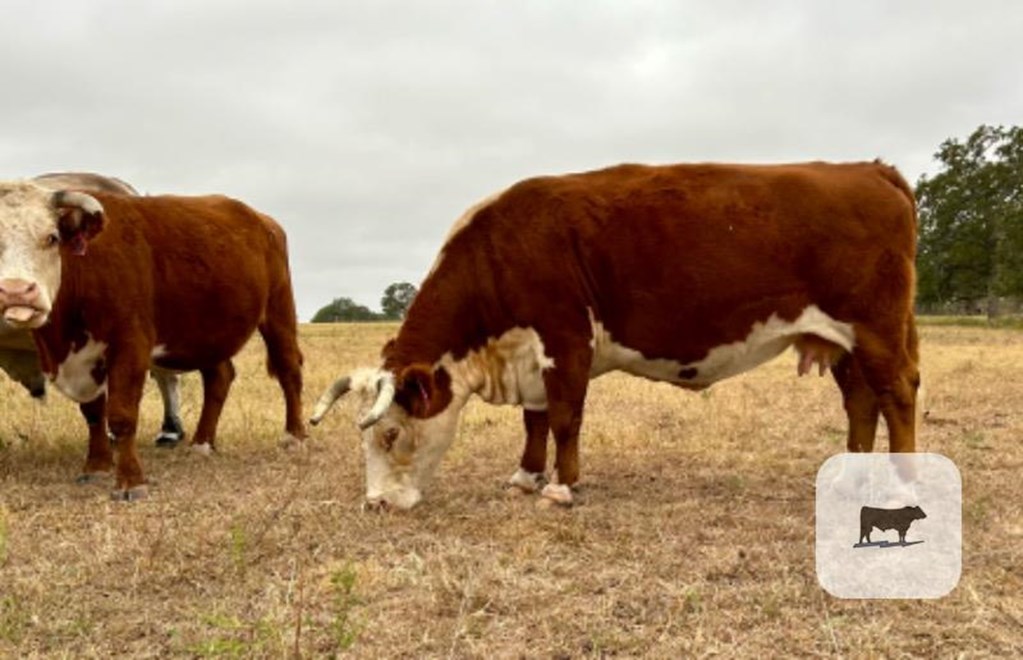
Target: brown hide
195, 276
192, 274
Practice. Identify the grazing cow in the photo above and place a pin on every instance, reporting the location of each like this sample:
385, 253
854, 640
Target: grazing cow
110, 283
687, 274
885, 519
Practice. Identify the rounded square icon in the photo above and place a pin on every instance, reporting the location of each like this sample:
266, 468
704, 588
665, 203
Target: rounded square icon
889, 525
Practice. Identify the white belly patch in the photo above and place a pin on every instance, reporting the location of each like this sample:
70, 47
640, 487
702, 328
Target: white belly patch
76, 376
765, 340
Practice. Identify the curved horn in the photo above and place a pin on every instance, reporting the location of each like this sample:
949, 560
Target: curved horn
327, 399
385, 395
63, 199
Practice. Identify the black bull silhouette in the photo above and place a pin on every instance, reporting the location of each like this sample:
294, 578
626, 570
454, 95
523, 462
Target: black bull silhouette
885, 519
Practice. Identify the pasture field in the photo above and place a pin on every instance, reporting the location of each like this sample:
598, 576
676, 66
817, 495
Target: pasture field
693, 534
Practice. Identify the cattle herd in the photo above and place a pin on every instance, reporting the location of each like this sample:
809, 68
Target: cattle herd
685, 274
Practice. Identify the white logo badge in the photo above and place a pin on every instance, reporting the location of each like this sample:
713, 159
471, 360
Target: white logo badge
889, 525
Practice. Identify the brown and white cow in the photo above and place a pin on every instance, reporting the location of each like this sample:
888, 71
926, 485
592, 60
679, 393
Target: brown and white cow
18, 356
110, 283
687, 274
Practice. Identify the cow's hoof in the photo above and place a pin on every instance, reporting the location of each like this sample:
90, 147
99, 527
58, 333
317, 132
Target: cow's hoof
527, 482
169, 440
201, 448
514, 492
292, 442
132, 494
92, 477
556, 494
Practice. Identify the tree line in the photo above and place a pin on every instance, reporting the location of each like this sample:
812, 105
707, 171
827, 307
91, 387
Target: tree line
970, 250
393, 305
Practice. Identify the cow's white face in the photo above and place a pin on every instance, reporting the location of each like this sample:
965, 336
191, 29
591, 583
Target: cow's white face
403, 451
29, 254
34, 223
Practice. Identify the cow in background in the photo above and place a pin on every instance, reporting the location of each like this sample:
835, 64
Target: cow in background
18, 356
110, 284
686, 274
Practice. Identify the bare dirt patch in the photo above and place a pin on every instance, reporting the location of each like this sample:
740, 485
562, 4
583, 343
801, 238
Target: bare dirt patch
693, 534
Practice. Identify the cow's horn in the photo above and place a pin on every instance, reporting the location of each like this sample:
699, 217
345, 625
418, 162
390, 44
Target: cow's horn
385, 395
63, 199
327, 399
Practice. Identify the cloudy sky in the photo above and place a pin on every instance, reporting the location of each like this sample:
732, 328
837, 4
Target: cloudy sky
367, 127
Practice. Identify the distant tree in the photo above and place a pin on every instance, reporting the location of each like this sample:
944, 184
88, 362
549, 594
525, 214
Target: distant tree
971, 220
344, 309
396, 300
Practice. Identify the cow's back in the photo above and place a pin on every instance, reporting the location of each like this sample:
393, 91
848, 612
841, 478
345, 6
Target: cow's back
689, 256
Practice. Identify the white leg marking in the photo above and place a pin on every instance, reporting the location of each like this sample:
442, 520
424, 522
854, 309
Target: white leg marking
204, 449
527, 482
558, 493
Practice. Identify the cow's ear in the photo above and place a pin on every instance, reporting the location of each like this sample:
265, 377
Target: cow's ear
422, 390
79, 218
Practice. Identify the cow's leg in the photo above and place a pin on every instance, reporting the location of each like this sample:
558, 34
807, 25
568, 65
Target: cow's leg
890, 369
566, 383
861, 405
216, 381
172, 431
284, 361
530, 476
126, 380
99, 462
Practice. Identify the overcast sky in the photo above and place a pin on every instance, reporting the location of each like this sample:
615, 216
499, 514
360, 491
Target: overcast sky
367, 127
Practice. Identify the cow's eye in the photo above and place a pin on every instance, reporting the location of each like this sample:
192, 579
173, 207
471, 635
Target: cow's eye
52, 240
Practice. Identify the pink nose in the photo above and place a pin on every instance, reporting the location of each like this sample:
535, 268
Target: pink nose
18, 292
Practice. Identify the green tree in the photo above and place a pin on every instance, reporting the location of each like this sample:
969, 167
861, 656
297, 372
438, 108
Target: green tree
396, 300
971, 220
344, 309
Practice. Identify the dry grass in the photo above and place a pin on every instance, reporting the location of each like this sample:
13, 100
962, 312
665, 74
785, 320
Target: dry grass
694, 534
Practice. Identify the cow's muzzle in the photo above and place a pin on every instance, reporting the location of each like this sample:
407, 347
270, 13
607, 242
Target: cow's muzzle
400, 500
21, 303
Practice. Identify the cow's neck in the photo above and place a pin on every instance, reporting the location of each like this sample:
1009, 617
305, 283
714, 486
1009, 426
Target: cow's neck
507, 370
448, 326
443, 320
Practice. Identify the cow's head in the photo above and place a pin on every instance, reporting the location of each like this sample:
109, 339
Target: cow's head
36, 225
409, 422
